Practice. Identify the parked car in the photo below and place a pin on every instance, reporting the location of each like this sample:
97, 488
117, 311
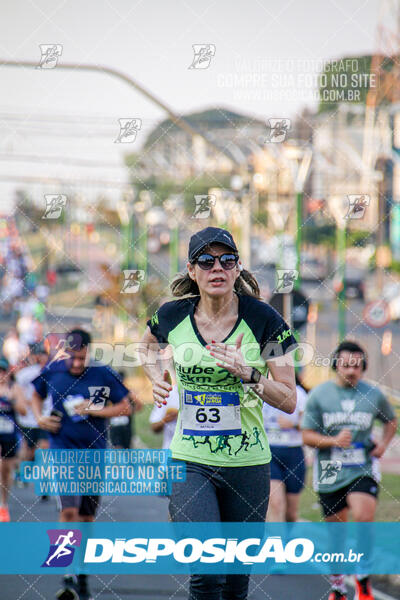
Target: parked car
312, 269
265, 273
69, 270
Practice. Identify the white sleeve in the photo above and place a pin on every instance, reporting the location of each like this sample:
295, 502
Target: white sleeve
159, 412
301, 399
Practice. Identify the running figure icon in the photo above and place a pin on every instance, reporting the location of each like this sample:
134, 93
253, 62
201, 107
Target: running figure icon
62, 550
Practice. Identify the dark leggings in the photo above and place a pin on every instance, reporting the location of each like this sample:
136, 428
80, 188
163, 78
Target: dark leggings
215, 494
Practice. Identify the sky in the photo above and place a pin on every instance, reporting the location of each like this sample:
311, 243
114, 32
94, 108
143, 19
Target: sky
267, 55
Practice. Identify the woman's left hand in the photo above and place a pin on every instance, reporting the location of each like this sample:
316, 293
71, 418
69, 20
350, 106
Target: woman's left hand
230, 357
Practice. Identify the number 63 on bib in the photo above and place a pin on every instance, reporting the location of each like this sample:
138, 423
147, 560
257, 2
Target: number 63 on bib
210, 413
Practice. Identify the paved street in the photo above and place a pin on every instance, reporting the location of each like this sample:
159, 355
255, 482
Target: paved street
383, 369
26, 507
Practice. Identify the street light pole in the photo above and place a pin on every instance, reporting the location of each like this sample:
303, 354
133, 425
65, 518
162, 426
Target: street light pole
299, 224
144, 250
302, 159
174, 205
174, 252
338, 206
341, 251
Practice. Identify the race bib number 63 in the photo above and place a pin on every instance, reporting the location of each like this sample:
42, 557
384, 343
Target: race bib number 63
210, 413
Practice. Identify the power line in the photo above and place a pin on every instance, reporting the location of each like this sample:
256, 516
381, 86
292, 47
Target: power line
27, 130
67, 118
67, 182
84, 162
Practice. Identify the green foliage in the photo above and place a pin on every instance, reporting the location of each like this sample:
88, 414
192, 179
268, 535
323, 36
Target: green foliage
143, 429
358, 238
395, 267
261, 218
326, 236
162, 188
322, 234
29, 215
339, 79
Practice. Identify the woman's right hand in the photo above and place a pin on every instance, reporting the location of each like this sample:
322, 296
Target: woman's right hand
162, 388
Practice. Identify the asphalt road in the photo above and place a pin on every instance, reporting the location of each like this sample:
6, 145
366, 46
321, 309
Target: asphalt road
383, 369
25, 506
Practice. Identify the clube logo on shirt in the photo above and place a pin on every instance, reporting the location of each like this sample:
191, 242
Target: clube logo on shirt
198, 375
62, 547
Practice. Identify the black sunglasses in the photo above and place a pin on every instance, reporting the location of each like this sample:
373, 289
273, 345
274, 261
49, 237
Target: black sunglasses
207, 261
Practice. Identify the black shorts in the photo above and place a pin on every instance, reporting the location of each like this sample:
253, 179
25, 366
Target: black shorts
32, 435
120, 435
334, 502
8, 447
87, 505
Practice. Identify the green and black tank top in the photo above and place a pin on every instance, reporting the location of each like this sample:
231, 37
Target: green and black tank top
220, 420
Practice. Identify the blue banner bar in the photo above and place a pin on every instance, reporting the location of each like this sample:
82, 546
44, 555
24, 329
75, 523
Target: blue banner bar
164, 548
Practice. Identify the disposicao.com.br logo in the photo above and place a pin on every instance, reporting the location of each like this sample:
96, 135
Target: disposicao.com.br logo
180, 547
192, 550
189, 551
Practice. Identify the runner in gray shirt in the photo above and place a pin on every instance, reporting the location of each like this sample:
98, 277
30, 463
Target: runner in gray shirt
337, 422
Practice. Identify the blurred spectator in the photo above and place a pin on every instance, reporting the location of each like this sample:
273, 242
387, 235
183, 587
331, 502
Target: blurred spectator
34, 436
13, 349
11, 403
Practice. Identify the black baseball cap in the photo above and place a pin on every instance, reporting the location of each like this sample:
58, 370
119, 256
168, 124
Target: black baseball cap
208, 236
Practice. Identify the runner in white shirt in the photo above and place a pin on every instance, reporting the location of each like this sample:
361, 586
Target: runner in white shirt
163, 418
288, 467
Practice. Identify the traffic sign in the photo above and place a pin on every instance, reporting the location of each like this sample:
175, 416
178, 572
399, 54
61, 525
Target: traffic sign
377, 313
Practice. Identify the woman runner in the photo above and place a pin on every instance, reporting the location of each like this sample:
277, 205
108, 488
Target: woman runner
222, 337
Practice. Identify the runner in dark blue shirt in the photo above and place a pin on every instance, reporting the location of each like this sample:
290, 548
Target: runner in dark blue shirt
82, 401
11, 401
83, 398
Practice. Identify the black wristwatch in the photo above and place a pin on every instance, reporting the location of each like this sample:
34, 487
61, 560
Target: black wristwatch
255, 376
